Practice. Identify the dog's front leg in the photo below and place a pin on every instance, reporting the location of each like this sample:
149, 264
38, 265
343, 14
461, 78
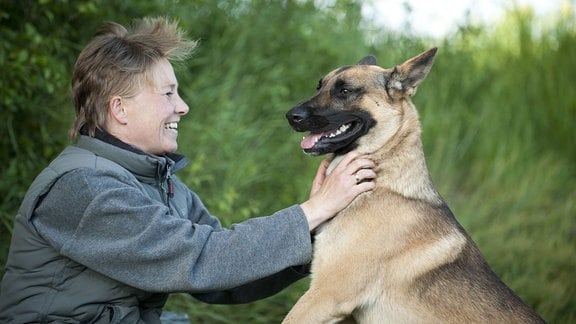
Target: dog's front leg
319, 307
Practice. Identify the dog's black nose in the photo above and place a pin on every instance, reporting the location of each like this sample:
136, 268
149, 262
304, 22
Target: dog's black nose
296, 115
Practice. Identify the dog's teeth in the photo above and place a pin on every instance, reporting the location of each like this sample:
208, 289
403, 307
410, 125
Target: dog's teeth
344, 128
335, 133
340, 130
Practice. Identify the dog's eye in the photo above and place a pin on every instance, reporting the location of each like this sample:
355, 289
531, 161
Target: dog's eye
344, 91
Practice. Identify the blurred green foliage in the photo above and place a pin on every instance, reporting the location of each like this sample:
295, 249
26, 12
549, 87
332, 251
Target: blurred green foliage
498, 112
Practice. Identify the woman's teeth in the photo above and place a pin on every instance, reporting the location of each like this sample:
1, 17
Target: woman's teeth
171, 125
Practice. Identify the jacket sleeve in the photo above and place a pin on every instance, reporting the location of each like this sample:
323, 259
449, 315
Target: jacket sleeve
107, 223
256, 290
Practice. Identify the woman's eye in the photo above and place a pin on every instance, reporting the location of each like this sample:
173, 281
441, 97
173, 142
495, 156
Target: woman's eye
169, 94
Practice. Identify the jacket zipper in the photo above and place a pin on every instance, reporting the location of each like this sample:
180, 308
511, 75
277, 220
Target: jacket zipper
168, 189
170, 186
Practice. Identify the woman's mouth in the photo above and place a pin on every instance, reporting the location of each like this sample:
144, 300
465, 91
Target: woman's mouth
172, 125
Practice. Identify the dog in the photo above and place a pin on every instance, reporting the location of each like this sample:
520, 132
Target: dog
396, 254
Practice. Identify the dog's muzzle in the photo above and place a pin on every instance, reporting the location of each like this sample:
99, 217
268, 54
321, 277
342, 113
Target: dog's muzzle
331, 130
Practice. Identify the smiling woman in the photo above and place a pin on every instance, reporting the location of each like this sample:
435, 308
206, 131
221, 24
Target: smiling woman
97, 84
149, 120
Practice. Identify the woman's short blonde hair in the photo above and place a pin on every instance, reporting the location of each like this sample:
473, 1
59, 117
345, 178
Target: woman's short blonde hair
117, 61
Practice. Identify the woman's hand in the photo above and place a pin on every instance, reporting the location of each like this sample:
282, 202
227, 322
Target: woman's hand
334, 192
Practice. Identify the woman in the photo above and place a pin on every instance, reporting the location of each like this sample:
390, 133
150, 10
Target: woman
107, 230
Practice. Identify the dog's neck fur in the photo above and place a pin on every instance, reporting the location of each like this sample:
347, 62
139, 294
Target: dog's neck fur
400, 163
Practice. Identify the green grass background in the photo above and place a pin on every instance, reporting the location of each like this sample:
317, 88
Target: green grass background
498, 112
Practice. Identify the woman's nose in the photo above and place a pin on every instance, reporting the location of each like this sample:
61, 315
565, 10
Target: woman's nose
181, 107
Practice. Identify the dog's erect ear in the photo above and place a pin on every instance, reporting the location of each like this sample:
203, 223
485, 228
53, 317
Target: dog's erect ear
406, 77
368, 60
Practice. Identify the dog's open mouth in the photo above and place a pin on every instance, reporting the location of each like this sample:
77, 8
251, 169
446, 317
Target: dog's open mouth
315, 141
339, 140
331, 130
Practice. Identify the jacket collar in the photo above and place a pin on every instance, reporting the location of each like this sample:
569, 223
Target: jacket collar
143, 165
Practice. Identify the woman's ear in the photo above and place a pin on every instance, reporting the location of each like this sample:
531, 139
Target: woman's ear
117, 110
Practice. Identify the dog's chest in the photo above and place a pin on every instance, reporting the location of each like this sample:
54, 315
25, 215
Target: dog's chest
339, 234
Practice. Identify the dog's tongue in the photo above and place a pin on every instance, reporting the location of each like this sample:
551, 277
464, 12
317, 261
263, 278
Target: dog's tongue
309, 141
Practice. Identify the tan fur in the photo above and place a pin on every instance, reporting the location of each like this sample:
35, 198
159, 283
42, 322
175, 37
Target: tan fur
396, 254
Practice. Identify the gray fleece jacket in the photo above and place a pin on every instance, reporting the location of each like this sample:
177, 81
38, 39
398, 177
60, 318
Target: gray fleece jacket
106, 232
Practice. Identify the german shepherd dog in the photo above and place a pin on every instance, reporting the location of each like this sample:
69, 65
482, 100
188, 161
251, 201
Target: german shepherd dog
396, 254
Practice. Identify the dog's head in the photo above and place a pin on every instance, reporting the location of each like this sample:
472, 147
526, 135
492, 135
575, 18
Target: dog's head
357, 100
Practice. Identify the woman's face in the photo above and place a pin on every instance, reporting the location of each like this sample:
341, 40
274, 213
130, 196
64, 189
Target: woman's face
153, 114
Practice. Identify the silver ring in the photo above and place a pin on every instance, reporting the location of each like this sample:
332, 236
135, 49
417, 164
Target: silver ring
357, 178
